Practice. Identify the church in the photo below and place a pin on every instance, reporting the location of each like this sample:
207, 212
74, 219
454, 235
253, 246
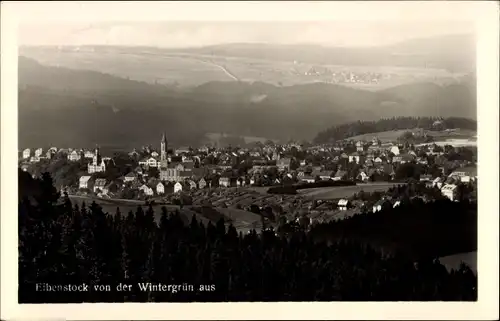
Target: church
98, 164
172, 172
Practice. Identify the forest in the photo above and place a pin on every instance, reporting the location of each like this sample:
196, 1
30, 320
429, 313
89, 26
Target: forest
64, 243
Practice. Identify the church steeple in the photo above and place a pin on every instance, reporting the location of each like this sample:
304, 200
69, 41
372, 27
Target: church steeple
163, 149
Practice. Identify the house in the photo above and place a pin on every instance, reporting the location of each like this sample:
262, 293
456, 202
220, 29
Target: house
377, 161
74, 156
154, 154
202, 183
138, 170
160, 188
449, 191
49, 154
343, 204
88, 154
340, 175
381, 205
355, 158
26, 153
146, 189
99, 185
425, 178
34, 159
178, 187
38, 152
192, 184
363, 176
150, 162
465, 174
130, 177
359, 146
437, 182
84, 182
283, 163
395, 150
227, 181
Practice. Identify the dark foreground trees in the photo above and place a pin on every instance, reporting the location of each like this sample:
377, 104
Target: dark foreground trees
63, 244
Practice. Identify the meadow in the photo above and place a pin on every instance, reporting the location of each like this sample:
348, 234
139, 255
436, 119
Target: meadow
325, 193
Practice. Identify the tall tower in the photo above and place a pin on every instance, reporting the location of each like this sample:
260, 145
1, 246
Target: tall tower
97, 156
163, 153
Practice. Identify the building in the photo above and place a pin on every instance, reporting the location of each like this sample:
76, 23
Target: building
356, 158
308, 179
227, 181
283, 163
84, 182
343, 204
437, 182
449, 191
88, 154
465, 175
359, 146
425, 178
202, 183
160, 188
98, 164
381, 205
99, 185
130, 177
38, 152
26, 153
177, 187
395, 150
74, 156
150, 162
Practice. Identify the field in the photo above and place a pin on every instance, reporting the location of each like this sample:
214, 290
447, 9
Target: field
187, 70
243, 221
451, 137
325, 193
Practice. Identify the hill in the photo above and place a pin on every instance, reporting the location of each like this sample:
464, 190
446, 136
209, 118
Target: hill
437, 60
66, 107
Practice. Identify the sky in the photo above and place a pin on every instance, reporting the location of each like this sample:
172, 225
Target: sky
197, 33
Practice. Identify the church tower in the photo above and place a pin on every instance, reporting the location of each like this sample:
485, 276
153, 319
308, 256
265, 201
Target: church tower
97, 156
163, 153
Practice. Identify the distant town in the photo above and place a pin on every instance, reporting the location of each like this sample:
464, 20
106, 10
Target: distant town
245, 178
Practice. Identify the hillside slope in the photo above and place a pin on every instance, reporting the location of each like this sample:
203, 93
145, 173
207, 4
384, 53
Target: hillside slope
65, 107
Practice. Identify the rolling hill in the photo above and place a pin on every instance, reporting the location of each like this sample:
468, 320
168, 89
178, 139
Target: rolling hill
65, 107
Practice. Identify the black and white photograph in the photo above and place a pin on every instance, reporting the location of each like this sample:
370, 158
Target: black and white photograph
209, 161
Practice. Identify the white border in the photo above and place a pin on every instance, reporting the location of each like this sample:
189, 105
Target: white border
485, 13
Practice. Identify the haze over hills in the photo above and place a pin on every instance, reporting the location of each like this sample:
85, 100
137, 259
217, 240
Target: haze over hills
421, 60
65, 107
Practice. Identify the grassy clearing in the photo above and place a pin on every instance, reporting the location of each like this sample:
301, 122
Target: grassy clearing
325, 193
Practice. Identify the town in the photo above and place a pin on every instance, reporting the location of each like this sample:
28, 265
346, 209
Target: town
280, 182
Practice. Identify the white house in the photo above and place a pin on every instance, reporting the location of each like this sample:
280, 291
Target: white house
84, 182
99, 185
88, 154
202, 183
437, 182
359, 146
74, 156
160, 188
343, 204
355, 158
177, 187
150, 162
363, 176
38, 152
26, 153
146, 189
395, 150
450, 191
465, 174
